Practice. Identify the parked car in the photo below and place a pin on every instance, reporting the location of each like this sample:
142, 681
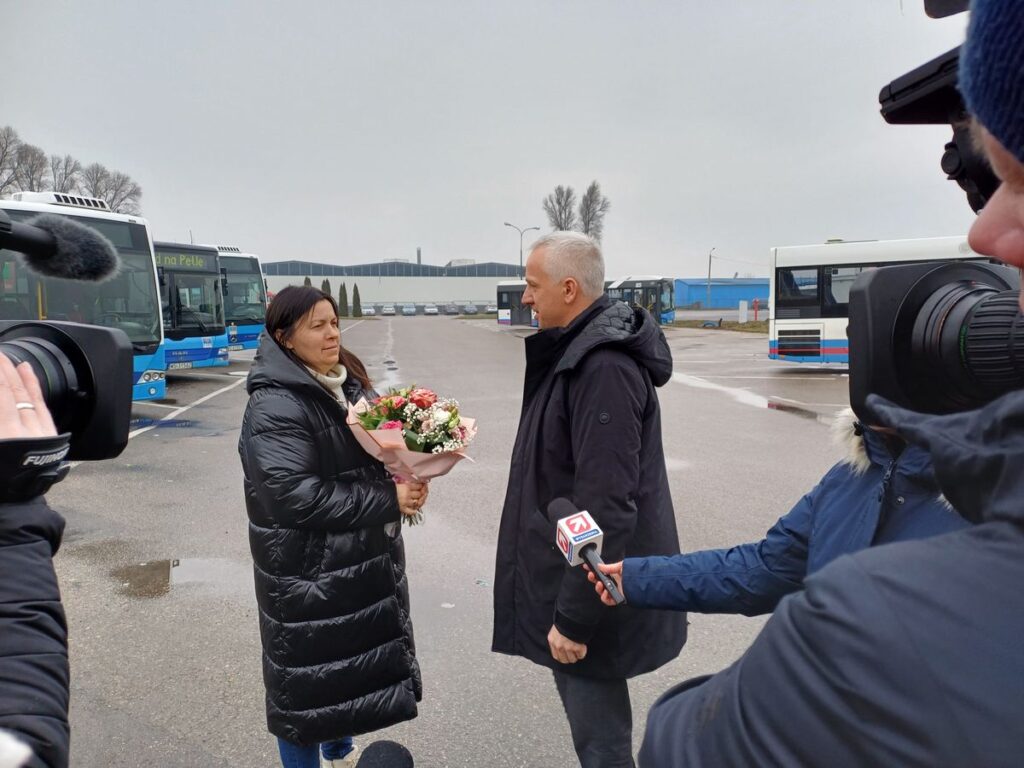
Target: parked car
408, 309
491, 309
469, 309
369, 311
430, 309
451, 309
388, 309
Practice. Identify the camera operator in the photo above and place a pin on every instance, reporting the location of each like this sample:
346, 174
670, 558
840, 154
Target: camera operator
906, 654
33, 633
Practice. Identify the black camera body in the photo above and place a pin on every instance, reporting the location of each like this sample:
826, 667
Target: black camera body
85, 373
936, 337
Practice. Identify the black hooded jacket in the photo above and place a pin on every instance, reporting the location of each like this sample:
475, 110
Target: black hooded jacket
338, 653
905, 654
590, 431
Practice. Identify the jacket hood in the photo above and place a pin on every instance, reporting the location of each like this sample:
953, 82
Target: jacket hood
978, 455
273, 368
863, 446
630, 329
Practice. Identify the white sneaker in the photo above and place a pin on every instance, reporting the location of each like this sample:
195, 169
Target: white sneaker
348, 761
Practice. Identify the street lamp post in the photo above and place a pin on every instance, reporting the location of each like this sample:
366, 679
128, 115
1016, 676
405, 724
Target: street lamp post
708, 300
521, 232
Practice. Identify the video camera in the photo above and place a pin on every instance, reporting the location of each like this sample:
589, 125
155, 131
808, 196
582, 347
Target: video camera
937, 337
85, 371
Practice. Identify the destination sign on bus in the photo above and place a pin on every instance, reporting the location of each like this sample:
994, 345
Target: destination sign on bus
195, 260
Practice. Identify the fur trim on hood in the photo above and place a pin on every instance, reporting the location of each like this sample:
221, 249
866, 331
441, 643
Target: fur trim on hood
848, 436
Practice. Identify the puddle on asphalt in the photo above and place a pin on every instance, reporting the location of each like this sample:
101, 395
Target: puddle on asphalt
143, 421
155, 578
805, 413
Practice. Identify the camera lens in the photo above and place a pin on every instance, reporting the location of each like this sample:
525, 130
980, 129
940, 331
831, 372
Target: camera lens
55, 369
967, 346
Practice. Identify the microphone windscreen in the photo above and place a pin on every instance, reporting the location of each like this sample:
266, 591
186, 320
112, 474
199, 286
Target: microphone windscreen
80, 253
560, 508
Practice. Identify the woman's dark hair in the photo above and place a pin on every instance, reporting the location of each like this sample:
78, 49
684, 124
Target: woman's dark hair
286, 311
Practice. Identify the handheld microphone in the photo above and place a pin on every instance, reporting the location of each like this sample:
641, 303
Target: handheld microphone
56, 246
579, 537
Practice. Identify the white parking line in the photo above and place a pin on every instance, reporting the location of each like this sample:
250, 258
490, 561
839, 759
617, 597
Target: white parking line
148, 404
350, 327
174, 414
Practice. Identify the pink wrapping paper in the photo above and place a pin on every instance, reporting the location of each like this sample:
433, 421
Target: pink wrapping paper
388, 446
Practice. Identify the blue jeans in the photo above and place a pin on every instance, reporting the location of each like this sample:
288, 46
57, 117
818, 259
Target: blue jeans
294, 756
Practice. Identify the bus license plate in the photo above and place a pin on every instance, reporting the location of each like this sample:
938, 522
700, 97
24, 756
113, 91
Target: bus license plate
235, 347
178, 366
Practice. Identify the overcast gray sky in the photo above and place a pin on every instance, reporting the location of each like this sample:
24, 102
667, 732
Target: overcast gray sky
347, 132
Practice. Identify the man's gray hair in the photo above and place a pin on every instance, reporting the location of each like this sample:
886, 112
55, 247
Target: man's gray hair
572, 254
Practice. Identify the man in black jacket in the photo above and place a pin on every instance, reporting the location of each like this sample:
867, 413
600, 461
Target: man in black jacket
906, 654
590, 431
33, 632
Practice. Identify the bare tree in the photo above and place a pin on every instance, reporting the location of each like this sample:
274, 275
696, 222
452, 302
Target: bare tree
64, 173
95, 180
560, 207
33, 167
593, 207
9, 143
123, 193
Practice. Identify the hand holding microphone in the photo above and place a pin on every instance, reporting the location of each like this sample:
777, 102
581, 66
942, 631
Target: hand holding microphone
609, 570
579, 538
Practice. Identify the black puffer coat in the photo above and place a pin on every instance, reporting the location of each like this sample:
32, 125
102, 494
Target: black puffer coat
590, 431
338, 653
33, 633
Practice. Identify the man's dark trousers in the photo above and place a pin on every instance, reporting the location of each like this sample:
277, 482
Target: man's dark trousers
600, 719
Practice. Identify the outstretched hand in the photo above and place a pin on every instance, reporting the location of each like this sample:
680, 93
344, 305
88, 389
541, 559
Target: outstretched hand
23, 411
612, 569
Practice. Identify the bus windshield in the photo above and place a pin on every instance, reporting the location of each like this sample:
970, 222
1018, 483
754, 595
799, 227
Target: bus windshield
246, 300
194, 304
128, 301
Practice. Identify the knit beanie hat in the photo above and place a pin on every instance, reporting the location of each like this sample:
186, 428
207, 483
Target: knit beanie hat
992, 70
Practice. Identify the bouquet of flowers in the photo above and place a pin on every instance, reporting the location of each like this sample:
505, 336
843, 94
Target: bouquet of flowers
413, 432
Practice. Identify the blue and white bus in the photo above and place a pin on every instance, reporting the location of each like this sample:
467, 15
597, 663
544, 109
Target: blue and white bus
191, 292
808, 303
129, 301
245, 303
654, 293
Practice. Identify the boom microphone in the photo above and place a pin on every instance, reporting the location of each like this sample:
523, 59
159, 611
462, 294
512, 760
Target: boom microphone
56, 246
579, 539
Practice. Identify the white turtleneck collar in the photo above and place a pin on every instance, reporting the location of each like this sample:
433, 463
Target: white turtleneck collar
332, 380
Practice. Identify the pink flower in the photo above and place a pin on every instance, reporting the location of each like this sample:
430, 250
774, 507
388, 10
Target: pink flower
391, 425
397, 401
422, 398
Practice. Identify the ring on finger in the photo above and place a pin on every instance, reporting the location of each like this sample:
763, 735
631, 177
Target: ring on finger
25, 406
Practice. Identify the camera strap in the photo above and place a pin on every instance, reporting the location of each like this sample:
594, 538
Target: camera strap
30, 466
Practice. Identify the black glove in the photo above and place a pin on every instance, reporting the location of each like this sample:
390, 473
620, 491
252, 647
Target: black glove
30, 465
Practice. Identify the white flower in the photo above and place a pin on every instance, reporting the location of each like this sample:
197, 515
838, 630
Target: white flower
440, 416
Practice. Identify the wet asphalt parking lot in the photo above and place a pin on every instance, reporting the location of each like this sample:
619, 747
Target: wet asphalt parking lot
157, 582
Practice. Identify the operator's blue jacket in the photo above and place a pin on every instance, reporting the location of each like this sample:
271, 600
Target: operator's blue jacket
907, 654
873, 496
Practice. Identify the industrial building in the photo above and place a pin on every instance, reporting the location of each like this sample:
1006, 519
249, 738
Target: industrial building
726, 293
399, 282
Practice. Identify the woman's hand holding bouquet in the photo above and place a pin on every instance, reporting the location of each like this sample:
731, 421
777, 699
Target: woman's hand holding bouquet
416, 434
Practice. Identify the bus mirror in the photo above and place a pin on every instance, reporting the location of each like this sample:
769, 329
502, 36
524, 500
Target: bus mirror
160, 277
224, 281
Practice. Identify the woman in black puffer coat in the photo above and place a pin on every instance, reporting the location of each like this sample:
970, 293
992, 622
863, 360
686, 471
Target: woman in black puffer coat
324, 530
